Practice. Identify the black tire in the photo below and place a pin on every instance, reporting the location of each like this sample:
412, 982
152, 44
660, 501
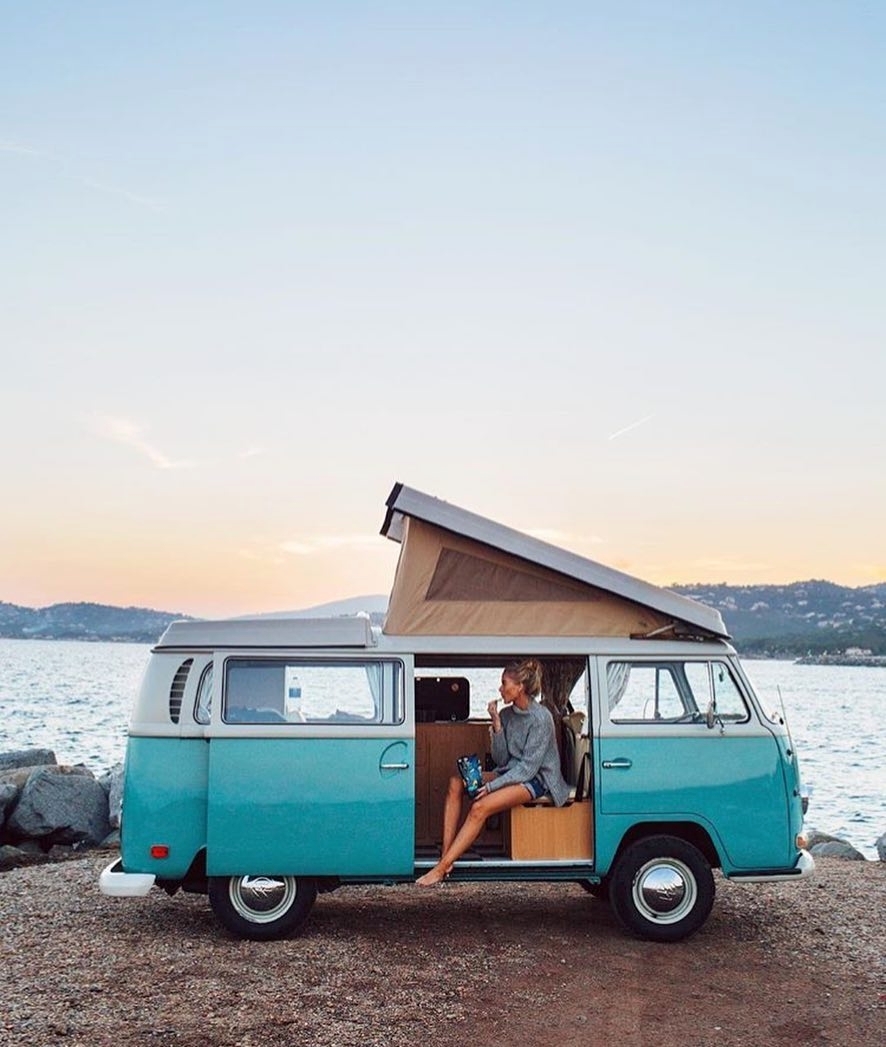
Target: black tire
261, 907
662, 889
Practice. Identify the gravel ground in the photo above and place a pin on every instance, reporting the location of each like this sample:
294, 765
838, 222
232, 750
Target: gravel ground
484, 965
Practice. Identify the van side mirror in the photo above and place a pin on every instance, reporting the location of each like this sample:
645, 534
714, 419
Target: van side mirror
712, 719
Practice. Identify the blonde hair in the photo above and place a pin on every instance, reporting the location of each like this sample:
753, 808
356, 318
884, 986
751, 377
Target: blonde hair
528, 674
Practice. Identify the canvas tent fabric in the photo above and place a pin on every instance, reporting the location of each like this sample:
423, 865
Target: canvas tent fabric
460, 574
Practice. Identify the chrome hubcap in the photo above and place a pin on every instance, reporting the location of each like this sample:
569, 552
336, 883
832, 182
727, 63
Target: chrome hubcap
262, 899
664, 890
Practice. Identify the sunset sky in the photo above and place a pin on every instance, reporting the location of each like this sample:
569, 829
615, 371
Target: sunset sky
610, 273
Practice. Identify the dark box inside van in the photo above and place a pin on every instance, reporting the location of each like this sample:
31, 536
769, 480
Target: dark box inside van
442, 698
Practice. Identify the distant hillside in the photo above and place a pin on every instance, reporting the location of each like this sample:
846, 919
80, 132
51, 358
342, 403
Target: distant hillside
84, 621
375, 605
799, 620
804, 618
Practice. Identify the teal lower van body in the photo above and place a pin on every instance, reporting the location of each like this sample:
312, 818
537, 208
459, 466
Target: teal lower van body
165, 796
311, 807
732, 786
308, 807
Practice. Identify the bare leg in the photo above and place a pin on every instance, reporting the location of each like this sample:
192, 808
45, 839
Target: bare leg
452, 811
492, 803
452, 807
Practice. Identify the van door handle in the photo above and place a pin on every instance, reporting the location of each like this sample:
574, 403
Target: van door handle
394, 766
621, 763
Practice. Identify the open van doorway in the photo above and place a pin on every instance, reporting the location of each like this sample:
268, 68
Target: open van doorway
451, 697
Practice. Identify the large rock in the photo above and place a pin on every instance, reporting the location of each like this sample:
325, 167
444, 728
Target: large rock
26, 758
11, 857
61, 808
17, 778
8, 793
112, 783
837, 849
19, 775
824, 845
111, 840
881, 847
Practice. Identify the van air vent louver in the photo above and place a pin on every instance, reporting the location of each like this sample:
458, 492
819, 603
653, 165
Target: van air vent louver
177, 690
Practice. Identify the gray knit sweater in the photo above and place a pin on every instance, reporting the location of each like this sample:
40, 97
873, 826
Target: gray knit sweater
525, 747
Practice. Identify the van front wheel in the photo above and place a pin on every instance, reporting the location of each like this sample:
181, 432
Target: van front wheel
261, 907
662, 889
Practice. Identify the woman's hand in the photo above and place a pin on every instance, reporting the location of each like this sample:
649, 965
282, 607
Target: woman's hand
492, 709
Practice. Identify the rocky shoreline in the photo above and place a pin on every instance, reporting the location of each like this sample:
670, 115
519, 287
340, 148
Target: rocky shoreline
51, 811
853, 660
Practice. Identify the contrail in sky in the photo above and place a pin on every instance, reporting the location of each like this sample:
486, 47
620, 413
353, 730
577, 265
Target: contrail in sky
62, 168
12, 147
628, 428
113, 190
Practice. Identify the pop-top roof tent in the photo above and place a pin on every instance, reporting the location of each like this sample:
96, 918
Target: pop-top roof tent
460, 574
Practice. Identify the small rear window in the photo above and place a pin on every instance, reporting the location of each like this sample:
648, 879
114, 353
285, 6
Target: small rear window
203, 704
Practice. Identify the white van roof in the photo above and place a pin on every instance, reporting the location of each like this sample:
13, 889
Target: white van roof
350, 631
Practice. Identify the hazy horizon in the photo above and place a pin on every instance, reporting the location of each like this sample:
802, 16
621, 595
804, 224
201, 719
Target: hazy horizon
379, 601
606, 274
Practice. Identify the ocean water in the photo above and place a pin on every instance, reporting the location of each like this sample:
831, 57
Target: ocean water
835, 715
68, 696
75, 699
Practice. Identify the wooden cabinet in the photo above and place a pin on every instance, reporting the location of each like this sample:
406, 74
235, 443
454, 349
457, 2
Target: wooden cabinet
437, 747
541, 832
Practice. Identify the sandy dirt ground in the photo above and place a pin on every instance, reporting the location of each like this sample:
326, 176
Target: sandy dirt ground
473, 965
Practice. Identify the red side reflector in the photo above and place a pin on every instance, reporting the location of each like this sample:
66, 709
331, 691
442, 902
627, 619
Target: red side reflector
159, 850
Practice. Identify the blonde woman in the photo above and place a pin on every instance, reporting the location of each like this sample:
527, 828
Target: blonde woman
526, 760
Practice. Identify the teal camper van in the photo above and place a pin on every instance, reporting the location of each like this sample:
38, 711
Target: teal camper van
272, 759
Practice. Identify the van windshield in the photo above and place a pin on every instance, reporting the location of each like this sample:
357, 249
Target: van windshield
769, 699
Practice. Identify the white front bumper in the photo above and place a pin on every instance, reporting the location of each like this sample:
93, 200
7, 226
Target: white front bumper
118, 884
804, 867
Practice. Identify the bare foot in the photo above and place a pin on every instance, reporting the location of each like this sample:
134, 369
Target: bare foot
432, 877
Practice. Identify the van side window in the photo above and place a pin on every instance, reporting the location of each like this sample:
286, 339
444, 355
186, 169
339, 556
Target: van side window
288, 691
672, 692
643, 692
712, 680
203, 705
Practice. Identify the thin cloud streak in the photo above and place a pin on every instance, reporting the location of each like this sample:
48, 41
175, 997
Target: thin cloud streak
129, 434
113, 190
305, 545
22, 150
91, 183
628, 428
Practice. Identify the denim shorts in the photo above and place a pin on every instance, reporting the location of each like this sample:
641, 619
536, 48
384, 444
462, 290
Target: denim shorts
537, 787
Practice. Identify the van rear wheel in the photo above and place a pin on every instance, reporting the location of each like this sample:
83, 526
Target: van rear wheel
662, 889
261, 907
